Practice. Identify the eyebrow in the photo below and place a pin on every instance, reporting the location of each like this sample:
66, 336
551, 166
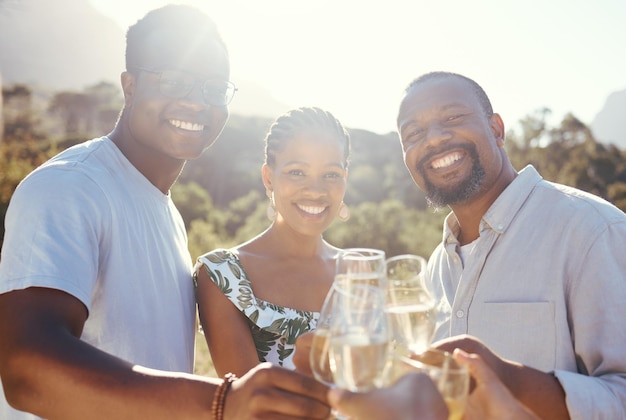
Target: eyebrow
444, 108
299, 162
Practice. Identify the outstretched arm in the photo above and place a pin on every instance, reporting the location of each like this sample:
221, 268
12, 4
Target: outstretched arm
41, 355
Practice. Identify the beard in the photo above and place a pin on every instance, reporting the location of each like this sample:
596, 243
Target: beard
439, 197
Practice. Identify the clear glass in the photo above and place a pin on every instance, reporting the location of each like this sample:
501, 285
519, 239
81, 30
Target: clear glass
452, 380
318, 357
359, 337
357, 266
361, 266
354, 266
410, 305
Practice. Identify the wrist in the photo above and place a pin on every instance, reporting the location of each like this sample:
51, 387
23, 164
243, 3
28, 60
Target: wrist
219, 397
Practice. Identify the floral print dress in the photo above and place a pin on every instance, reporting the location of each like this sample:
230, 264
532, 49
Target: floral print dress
274, 328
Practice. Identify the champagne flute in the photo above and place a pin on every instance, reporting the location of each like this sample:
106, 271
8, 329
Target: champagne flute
452, 380
361, 266
354, 266
318, 356
350, 266
319, 353
410, 307
359, 338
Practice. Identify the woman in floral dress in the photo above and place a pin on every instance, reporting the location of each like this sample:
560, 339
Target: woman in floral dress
255, 299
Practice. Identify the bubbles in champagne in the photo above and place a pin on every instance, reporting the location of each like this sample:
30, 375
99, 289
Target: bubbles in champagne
358, 361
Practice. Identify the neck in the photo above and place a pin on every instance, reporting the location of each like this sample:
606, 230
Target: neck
160, 170
470, 212
292, 244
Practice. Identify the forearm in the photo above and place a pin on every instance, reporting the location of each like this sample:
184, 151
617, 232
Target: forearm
539, 391
96, 385
47, 370
152, 396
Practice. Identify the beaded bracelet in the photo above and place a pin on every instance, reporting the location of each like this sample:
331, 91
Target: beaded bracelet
219, 398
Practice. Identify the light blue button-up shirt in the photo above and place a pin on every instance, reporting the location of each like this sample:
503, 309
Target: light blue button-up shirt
544, 285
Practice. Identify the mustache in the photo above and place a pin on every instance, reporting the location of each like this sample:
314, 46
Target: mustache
470, 148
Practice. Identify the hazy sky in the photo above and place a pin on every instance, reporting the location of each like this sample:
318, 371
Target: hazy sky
354, 57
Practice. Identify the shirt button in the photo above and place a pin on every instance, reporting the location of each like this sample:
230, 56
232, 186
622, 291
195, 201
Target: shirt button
459, 314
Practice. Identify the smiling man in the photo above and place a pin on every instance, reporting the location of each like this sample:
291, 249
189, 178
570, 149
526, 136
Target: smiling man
530, 274
97, 309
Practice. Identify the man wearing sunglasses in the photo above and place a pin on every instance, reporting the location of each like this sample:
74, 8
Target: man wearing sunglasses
97, 311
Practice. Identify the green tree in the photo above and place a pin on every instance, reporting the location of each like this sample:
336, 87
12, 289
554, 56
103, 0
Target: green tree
91, 112
77, 110
390, 226
193, 201
19, 155
203, 238
616, 193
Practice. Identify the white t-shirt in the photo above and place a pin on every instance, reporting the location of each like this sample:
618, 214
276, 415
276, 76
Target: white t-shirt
89, 223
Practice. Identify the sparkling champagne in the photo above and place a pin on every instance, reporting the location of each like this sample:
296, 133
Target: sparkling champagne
319, 356
358, 361
456, 408
412, 325
346, 281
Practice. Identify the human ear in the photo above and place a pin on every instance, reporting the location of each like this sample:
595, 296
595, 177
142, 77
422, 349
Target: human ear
497, 127
128, 87
266, 175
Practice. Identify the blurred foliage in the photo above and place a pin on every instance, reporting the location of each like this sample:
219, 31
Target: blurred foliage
203, 364
221, 197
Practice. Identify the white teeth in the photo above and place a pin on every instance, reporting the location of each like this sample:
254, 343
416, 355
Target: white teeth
186, 125
446, 160
311, 209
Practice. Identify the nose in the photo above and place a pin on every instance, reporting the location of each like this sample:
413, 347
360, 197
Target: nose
315, 188
437, 134
195, 98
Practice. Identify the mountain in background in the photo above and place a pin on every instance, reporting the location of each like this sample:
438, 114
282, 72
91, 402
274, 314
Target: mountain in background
609, 125
60, 45
68, 45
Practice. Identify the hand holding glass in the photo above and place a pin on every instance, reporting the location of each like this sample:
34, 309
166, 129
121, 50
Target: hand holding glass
452, 380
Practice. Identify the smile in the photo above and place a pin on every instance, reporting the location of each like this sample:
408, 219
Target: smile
311, 209
186, 125
446, 161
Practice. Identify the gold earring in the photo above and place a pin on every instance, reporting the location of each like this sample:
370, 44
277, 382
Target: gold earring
271, 210
344, 212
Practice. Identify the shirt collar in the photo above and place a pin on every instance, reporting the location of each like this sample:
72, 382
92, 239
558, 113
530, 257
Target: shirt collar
503, 210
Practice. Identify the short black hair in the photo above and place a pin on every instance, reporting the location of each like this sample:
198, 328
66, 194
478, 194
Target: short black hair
176, 18
483, 99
